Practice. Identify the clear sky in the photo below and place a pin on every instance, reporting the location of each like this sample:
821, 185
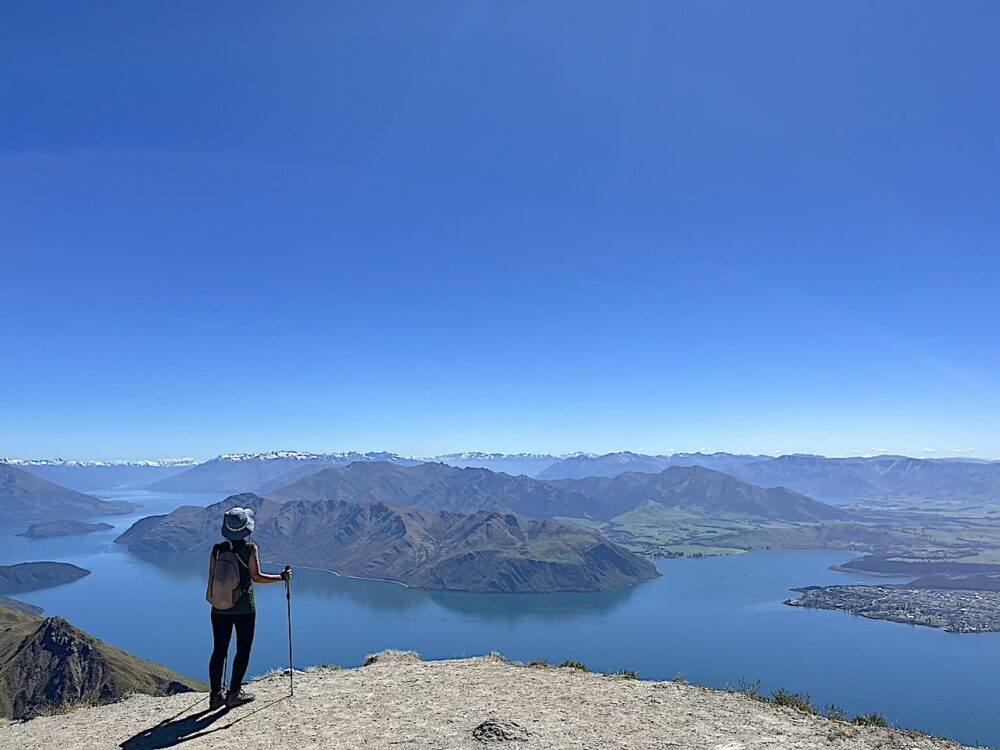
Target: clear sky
555, 226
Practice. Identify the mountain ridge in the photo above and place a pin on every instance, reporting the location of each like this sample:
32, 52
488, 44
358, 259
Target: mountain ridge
484, 552
707, 490
439, 487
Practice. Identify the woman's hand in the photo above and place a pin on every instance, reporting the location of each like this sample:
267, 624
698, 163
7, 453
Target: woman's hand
286, 574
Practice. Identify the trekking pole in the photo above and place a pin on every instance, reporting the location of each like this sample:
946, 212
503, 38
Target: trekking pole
288, 599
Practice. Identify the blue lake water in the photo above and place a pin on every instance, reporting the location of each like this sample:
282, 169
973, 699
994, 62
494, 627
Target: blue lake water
715, 621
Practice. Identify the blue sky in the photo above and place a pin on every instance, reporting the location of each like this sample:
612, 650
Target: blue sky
558, 226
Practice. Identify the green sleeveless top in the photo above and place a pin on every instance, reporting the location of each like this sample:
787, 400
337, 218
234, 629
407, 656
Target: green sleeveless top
245, 604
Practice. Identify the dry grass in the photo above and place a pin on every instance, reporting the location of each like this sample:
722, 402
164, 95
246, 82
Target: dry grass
392, 654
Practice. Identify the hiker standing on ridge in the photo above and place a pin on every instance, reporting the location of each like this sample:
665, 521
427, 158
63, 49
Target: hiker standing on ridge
232, 571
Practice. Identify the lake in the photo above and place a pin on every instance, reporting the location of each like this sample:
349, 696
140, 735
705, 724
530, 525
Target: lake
715, 621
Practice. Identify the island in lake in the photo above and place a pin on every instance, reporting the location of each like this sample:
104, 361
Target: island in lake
63, 528
37, 575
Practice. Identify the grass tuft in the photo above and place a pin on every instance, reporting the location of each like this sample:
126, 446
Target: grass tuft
798, 701
834, 712
575, 665
390, 654
870, 720
626, 674
752, 690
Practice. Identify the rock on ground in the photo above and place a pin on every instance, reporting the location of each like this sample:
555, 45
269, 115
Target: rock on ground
397, 701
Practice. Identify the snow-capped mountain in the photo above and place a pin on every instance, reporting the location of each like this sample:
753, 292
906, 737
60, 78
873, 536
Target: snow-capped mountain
77, 463
529, 464
88, 476
261, 472
347, 457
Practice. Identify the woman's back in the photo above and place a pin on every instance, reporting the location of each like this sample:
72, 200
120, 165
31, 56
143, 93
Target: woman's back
244, 551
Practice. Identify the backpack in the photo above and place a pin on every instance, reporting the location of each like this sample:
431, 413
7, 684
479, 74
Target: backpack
225, 585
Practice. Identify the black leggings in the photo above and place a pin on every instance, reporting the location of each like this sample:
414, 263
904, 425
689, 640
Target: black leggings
222, 631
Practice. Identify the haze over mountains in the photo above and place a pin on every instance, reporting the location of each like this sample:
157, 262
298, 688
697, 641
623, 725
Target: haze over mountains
86, 476
612, 464
241, 472
26, 498
481, 551
695, 488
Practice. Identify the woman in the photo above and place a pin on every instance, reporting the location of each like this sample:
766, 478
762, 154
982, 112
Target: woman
237, 525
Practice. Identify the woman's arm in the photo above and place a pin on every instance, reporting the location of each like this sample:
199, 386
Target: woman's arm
258, 577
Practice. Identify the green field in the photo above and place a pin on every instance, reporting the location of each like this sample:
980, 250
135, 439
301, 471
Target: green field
954, 531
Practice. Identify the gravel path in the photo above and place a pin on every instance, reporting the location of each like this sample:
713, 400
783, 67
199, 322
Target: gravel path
399, 701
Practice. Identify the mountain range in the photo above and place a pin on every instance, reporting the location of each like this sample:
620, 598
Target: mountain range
439, 487
612, 464
879, 478
482, 551
705, 491
26, 498
529, 464
48, 664
836, 480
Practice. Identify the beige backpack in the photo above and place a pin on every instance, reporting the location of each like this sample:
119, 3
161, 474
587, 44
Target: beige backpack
225, 585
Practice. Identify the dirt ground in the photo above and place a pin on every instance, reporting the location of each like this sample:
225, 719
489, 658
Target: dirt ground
399, 701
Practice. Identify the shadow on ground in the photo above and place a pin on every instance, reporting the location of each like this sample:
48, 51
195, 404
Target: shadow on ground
179, 728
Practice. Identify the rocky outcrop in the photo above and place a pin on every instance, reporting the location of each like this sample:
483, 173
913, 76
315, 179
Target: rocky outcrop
47, 665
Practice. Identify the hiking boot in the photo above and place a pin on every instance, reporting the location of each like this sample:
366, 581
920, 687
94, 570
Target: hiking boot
239, 698
216, 700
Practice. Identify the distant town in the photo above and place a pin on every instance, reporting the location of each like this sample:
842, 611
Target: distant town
957, 611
